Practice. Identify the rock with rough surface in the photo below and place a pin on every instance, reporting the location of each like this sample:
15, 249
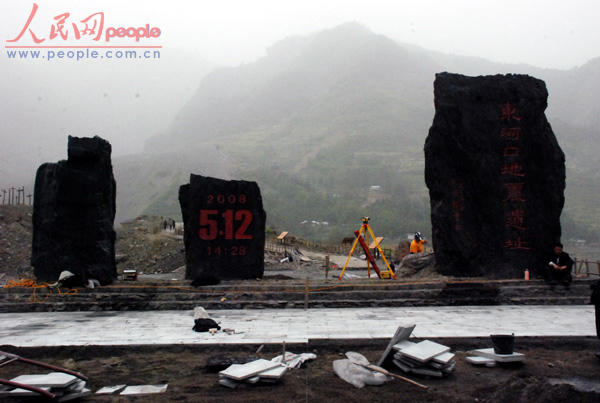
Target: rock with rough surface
224, 229
496, 176
73, 214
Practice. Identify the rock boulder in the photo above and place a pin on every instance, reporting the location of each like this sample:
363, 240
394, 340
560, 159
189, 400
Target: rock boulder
496, 175
73, 214
224, 229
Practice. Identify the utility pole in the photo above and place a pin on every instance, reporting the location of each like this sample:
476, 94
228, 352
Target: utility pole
29, 197
22, 198
12, 196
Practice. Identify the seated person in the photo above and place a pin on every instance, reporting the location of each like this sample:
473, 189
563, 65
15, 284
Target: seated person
416, 246
560, 266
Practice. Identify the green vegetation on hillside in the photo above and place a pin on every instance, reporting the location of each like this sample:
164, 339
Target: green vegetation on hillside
332, 127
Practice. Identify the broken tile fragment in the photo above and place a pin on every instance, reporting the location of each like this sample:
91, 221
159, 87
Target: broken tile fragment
242, 371
107, 390
476, 360
402, 333
424, 350
443, 358
273, 373
489, 353
52, 379
144, 389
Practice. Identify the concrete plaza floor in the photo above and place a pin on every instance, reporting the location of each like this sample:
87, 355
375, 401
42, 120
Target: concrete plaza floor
290, 325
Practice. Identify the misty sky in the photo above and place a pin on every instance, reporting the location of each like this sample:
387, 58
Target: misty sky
544, 33
129, 102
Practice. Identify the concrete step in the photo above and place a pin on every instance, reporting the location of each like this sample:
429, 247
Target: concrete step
253, 304
360, 294
336, 295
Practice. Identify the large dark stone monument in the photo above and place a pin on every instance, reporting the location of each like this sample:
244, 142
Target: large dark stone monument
73, 214
224, 229
496, 175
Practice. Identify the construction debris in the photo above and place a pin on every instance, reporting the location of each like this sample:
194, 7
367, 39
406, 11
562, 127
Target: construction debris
294, 360
144, 389
130, 275
61, 385
262, 370
203, 323
218, 363
475, 360
109, 390
239, 372
361, 360
426, 358
490, 354
503, 343
63, 278
401, 334
358, 375
54, 385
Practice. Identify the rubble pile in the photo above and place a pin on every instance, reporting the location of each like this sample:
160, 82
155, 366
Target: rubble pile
15, 242
261, 370
424, 358
143, 245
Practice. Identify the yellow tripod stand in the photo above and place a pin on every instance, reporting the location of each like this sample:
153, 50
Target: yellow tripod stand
367, 231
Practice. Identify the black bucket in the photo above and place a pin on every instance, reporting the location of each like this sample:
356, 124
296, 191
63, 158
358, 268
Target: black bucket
503, 343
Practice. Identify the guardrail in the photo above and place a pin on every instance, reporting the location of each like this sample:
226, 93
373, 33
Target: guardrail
586, 267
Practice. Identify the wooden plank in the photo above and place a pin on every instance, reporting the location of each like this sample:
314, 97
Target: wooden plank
282, 235
376, 242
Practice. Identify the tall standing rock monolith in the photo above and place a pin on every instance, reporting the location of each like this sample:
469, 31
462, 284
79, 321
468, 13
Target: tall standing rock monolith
224, 229
73, 214
496, 175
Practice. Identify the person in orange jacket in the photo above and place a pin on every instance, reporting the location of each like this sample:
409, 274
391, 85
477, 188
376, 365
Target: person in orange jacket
416, 246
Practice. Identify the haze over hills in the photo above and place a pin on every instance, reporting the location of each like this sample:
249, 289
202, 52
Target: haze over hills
332, 126
123, 101
324, 119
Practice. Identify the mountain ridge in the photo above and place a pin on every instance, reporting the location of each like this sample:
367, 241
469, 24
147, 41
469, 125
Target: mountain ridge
344, 109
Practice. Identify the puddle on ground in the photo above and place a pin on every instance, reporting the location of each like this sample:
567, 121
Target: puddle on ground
580, 384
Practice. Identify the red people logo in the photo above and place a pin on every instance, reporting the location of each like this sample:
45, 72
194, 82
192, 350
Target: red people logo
91, 27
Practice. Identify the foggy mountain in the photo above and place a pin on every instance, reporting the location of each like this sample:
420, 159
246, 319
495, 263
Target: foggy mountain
322, 118
123, 101
331, 125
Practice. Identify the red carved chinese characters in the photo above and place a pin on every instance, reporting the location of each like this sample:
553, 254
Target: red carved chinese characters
516, 243
509, 112
458, 202
514, 202
514, 191
516, 219
511, 133
513, 169
511, 151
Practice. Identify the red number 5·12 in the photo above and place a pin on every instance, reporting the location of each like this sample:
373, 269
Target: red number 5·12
209, 224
